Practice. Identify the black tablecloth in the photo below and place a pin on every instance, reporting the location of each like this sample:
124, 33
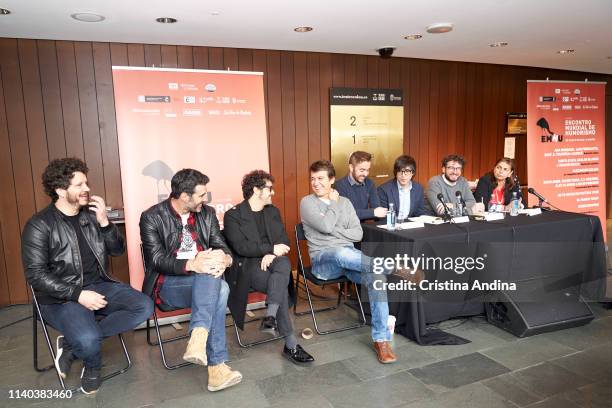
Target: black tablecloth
558, 249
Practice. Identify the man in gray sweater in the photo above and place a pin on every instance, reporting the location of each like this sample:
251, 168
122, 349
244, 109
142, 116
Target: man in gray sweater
448, 183
331, 227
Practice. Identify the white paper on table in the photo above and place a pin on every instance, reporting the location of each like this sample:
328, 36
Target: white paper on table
494, 216
530, 211
427, 219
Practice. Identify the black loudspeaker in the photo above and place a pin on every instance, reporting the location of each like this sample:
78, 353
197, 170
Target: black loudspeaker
537, 307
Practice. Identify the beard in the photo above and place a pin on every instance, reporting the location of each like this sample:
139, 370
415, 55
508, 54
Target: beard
77, 199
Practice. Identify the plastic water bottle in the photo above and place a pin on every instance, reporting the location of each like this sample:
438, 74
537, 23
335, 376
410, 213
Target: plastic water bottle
492, 204
391, 218
514, 208
459, 212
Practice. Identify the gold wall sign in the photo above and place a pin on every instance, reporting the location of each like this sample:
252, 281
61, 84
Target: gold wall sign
367, 119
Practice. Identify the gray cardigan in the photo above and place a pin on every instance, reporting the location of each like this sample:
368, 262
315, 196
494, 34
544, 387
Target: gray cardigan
436, 185
329, 225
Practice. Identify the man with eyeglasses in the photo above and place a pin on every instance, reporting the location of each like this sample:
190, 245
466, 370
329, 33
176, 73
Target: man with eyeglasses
406, 195
186, 255
255, 232
448, 183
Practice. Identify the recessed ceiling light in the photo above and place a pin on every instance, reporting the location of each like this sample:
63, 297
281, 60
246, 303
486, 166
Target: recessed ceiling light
439, 28
304, 29
166, 20
498, 44
4, 11
88, 17
570, 51
413, 37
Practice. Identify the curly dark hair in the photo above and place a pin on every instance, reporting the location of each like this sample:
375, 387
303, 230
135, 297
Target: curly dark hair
256, 178
185, 181
453, 157
323, 165
59, 172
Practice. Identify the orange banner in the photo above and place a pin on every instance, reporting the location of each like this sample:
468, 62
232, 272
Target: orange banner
566, 134
170, 119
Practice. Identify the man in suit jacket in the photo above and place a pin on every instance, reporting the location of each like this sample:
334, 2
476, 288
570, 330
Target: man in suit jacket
406, 195
256, 234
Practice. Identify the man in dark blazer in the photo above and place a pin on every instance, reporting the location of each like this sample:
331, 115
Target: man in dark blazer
256, 235
406, 195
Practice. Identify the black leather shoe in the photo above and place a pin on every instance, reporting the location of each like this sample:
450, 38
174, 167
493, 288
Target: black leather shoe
297, 355
268, 325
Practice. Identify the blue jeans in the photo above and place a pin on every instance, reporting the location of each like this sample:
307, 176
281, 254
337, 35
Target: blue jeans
207, 298
332, 263
126, 309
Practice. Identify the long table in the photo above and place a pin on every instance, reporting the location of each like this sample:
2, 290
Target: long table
558, 249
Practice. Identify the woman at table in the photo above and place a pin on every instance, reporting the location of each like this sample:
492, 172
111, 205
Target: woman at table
406, 195
496, 187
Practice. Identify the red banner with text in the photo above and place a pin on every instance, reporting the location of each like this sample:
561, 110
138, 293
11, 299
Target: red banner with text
566, 145
170, 119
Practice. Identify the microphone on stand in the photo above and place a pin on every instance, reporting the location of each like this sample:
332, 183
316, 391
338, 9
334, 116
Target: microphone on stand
541, 198
447, 216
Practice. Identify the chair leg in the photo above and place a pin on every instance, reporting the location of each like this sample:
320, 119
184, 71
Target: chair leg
336, 330
161, 342
253, 343
127, 359
37, 314
308, 311
35, 343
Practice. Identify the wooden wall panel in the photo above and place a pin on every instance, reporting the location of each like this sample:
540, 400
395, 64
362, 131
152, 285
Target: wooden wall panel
34, 116
69, 93
56, 99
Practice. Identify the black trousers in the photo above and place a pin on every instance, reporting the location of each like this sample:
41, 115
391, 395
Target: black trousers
273, 282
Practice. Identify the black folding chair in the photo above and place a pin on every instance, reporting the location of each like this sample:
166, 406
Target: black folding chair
162, 309
307, 276
256, 342
36, 317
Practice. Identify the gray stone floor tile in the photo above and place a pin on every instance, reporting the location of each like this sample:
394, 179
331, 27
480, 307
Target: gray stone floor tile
547, 379
390, 391
458, 371
245, 394
593, 334
556, 401
480, 340
509, 388
469, 396
366, 366
527, 351
594, 363
315, 380
592, 396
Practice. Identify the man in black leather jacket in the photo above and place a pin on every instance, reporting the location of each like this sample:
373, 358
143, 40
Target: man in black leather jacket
65, 250
185, 256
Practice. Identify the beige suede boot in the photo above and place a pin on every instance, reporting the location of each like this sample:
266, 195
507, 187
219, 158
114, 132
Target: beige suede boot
196, 348
220, 376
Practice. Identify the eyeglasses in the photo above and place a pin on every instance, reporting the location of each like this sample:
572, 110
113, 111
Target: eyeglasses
271, 188
406, 172
454, 168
